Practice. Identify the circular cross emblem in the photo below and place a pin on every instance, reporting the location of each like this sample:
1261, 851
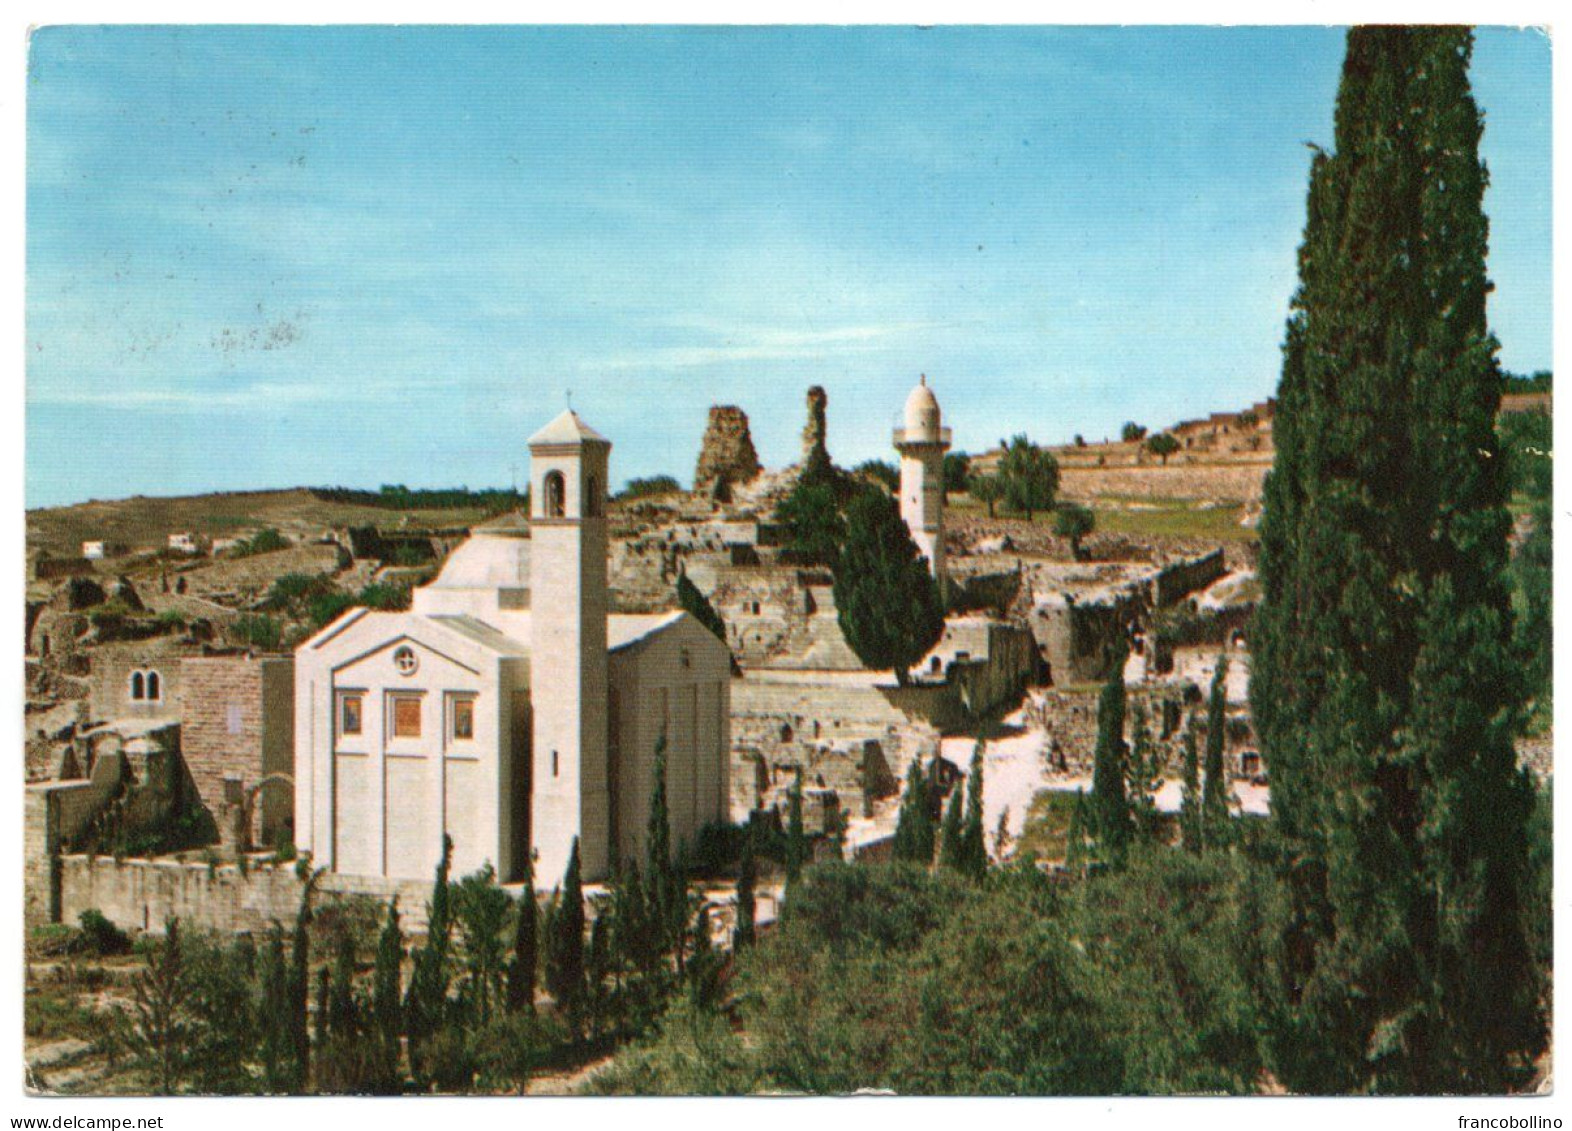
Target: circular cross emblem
406, 661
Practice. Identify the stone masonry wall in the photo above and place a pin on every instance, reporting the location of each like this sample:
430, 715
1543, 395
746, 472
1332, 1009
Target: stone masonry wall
237, 730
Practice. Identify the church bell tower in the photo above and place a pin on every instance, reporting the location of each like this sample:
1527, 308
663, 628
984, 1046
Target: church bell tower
568, 688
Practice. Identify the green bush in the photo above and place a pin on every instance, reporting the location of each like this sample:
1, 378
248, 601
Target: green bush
101, 937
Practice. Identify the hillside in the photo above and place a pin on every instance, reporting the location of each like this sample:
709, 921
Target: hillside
144, 522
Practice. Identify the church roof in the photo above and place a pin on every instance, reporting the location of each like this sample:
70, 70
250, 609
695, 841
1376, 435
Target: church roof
489, 559
567, 429
626, 629
482, 634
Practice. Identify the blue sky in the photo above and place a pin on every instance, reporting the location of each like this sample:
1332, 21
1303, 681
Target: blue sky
271, 256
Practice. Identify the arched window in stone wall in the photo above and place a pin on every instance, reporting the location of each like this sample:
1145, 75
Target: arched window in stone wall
154, 691
556, 495
138, 687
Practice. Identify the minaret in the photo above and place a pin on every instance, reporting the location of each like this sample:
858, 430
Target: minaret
922, 444
568, 603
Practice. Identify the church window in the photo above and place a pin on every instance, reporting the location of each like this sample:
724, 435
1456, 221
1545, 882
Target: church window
349, 714
462, 718
554, 764
592, 497
556, 489
138, 690
406, 716
154, 692
406, 661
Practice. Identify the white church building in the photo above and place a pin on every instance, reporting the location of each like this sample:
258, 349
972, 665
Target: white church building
508, 709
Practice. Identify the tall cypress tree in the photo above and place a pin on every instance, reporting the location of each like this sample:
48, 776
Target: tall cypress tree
1383, 687
796, 838
973, 847
526, 935
386, 1013
950, 831
746, 902
914, 828
1215, 792
1190, 802
565, 944
1110, 806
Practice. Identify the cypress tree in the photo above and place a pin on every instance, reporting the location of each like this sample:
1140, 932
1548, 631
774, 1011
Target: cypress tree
914, 828
746, 879
526, 933
1110, 806
1190, 804
279, 1064
426, 1000
950, 855
796, 838
565, 944
886, 600
1143, 775
1384, 689
663, 888
386, 1013
300, 988
973, 847
1215, 792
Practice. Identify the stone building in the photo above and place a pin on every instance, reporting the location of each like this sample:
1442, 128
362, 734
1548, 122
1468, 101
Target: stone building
237, 736
922, 444
508, 709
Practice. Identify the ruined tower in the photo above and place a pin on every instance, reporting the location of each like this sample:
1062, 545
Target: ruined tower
568, 602
922, 443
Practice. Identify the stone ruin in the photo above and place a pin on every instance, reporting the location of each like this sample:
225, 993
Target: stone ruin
813, 431
727, 456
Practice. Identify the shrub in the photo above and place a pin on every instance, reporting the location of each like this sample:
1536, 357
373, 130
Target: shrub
101, 937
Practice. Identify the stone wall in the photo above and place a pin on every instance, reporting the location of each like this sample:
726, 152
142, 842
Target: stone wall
726, 455
1179, 579
237, 735
140, 895
52, 812
844, 736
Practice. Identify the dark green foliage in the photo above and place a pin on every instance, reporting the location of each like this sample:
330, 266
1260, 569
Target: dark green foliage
299, 985
1190, 806
1074, 522
889, 977
1109, 807
880, 471
1131, 432
526, 935
796, 838
915, 830
264, 541
811, 515
1030, 475
257, 630
101, 937
1142, 774
565, 944
957, 472
986, 489
664, 913
387, 1017
222, 1011
973, 855
649, 487
160, 1033
426, 999
1162, 446
481, 908
1216, 792
746, 878
1385, 686
492, 500
887, 603
950, 853
281, 1069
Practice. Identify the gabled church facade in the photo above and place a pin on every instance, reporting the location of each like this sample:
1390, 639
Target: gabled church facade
507, 709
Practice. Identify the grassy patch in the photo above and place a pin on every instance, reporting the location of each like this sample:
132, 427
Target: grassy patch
1173, 518
1045, 833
